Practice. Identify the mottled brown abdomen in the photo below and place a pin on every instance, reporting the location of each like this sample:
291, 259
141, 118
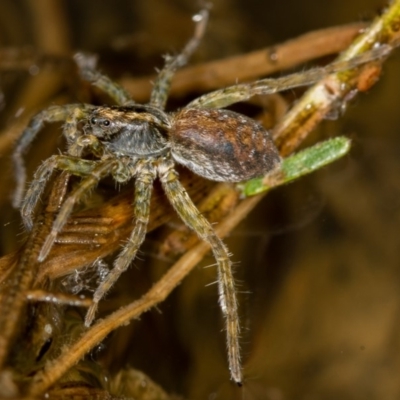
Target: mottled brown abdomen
222, 145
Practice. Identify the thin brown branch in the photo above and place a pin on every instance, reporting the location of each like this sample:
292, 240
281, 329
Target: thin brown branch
216, 74
331, 93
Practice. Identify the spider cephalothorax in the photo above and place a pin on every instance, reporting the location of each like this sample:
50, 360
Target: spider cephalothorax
126, 131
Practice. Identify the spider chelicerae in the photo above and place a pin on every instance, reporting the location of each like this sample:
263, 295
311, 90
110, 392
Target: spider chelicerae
138, 142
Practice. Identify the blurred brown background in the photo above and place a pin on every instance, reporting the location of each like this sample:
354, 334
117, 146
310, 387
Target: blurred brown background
317, 262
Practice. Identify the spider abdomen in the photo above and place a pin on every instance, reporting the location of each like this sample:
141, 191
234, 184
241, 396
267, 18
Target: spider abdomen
222, 145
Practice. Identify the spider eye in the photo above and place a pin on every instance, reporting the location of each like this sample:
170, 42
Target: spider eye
106, 122
93, 121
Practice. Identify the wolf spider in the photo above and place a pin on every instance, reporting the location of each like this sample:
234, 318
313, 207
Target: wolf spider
143, 142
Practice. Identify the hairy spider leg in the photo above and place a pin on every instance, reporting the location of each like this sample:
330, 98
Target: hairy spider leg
73, 165
145, 177
101, 170
244, 91
88, 71
192, 217
159, 94
51, 114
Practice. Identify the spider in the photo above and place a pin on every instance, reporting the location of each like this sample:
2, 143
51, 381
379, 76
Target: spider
143, 143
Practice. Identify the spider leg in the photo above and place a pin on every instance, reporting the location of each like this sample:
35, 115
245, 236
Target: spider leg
73, 165
162, 84
188, 212
244, 91
143, 189
87, 69
101, 170
51, 114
